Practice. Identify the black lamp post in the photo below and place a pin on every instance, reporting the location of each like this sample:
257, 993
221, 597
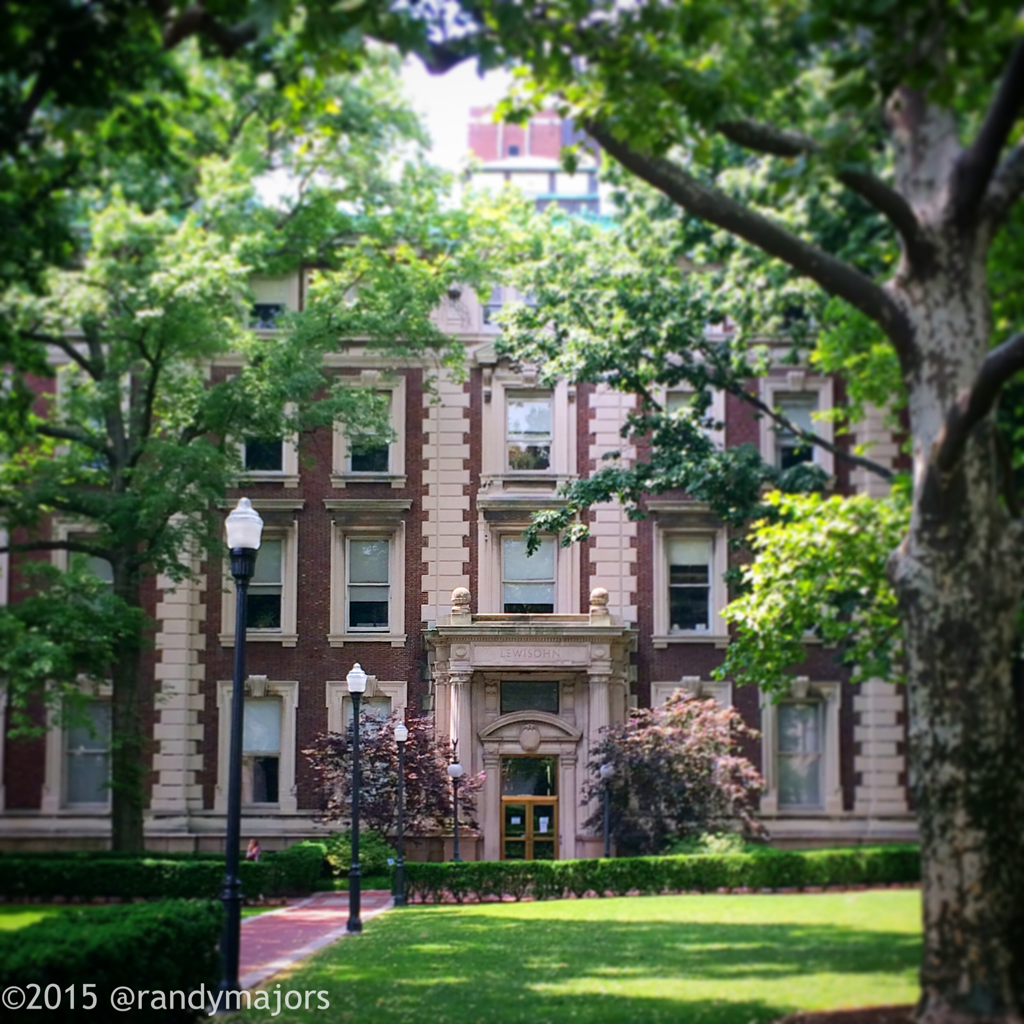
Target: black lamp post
244, 529
356, 687
401, 735
455, 772
606, 771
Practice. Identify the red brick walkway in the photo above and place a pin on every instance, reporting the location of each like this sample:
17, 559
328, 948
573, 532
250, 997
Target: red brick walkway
277, 939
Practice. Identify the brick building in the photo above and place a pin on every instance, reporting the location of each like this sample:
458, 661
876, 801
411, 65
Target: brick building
409, 559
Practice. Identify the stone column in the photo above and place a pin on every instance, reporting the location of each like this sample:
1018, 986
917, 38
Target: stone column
461, 717
569, 786
489, 812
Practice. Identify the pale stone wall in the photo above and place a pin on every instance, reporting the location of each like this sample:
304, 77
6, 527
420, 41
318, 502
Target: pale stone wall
881, 448
879, 762
613, 553
445, 503
180, 611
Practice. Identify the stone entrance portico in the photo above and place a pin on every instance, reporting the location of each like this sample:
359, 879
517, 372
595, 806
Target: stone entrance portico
582, 658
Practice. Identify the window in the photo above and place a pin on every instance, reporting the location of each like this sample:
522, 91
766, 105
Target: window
800, 746
264, 604
689, 583
527, 582
369, 458
264, 315
271, 614
797, 394
362, 457
528, 430
690, 559
800, 743
263, 455
369, 583
529, 776
373, 711
87, 757
261, 751
367, 570
680, 401
790, 450
522, 695
270, 713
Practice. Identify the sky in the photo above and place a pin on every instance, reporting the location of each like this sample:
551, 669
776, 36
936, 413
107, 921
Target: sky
444, 102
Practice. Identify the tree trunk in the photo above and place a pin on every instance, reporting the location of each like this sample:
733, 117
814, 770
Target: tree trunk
128, 746
958, 576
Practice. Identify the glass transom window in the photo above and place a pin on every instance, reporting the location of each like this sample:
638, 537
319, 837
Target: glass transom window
528, 695
263, 605
689, 584
369, 583
528, 431
527, 583
800, 746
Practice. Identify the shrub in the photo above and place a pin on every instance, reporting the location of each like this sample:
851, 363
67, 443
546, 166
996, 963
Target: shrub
374, 853
168, 947
778, 869
678, 771
293, 870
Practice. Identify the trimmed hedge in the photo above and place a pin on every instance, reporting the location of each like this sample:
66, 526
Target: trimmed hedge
295, 870
161, 947
771, 869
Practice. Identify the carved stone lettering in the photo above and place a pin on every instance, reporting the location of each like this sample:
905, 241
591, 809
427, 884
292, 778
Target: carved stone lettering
526, 653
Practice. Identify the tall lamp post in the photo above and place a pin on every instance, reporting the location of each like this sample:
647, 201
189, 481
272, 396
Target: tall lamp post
356, 688
606, 771
455, 772
401, 735
244, 529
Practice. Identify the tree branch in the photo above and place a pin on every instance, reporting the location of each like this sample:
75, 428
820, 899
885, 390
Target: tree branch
708, 203
976, 402
762, 138
975, 166
196, 20
57, 545
809, 436
65, 346
1006, 187
79, 437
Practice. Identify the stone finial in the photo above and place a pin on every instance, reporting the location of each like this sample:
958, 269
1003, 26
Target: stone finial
599, 607
460, 606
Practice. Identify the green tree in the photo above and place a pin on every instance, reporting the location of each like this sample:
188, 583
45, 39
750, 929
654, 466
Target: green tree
910, 111
134, 440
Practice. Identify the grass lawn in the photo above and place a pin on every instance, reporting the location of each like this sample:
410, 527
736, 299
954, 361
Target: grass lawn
707, 959
14, 917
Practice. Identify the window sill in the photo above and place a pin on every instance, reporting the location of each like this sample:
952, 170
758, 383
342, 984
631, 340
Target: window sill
340, 639
290, 480
341, 480
720, 640
284, 639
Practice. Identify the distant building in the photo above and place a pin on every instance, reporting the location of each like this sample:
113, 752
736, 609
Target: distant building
528, 157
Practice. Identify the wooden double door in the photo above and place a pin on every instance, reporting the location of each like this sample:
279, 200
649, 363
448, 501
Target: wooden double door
529, 808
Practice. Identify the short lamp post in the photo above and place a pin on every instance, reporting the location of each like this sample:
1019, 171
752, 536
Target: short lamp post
455, 772
606, 771
356, 688
244, 529
401, 735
